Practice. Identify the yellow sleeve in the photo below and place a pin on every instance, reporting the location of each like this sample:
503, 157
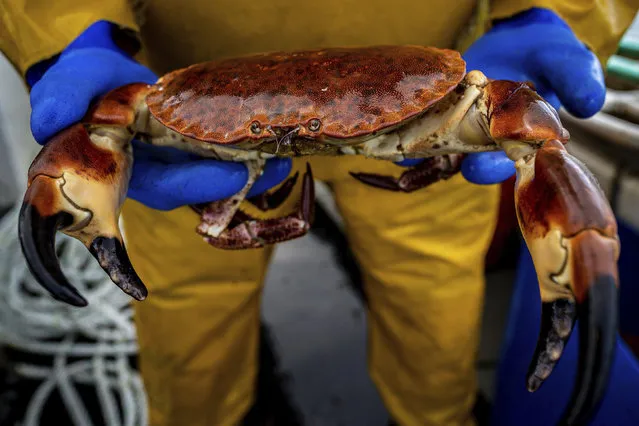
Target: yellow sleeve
34, 30
600, 24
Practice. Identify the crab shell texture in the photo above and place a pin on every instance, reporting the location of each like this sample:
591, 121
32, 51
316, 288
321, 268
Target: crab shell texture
335, 94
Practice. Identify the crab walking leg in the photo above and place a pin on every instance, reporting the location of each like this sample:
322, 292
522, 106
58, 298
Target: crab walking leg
248, 232
217, 215
571, 233
271, 200
77, 185
427, 172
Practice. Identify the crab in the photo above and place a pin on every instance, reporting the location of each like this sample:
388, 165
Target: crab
384, 102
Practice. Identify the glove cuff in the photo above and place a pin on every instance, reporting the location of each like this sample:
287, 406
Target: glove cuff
99, 34
535, 15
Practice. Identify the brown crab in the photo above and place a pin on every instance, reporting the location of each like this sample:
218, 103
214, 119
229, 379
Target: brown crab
383, 102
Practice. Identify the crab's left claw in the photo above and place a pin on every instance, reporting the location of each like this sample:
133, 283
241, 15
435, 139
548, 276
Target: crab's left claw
77, 185
571, 233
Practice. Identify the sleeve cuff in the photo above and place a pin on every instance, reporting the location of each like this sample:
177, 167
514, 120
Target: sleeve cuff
31, 38
598, 24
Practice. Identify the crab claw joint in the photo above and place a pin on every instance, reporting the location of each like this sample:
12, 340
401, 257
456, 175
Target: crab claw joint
77, 185
571, 233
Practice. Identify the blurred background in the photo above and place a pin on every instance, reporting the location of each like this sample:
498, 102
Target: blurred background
64, 366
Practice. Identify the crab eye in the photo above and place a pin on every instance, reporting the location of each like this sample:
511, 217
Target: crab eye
314, 125
256, 128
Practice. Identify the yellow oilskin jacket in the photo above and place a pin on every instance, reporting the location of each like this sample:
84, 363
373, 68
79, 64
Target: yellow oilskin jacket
182, 32
421, 254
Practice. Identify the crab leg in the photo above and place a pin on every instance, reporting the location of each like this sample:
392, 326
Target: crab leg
77, 184
272, 200
245, 232
217, 215
572, 236
427, 172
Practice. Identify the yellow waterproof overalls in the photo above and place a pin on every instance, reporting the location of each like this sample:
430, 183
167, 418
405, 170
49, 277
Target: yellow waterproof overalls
422, 254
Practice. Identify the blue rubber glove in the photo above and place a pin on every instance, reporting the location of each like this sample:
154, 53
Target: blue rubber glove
163, 178
538, 46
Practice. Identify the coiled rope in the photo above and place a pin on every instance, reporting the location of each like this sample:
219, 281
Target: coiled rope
89, 346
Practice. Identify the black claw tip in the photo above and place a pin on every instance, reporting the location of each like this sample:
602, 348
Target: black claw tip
37, 238
598, 319
557, 320
534, 383
112, 257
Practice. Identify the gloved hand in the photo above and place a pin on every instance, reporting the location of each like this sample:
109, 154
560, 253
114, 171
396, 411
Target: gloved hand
538, 46
163, 178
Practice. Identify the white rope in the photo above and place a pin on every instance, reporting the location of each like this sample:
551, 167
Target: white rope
32, 321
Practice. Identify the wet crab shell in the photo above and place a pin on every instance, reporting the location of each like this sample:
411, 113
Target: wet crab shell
334, 93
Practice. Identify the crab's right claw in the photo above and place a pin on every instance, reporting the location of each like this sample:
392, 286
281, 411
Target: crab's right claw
571, 233
77, 185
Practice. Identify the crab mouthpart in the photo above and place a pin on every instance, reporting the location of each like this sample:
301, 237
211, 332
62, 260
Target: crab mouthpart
284, 136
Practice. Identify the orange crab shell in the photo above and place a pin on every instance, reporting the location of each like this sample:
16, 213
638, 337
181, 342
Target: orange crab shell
338, 93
